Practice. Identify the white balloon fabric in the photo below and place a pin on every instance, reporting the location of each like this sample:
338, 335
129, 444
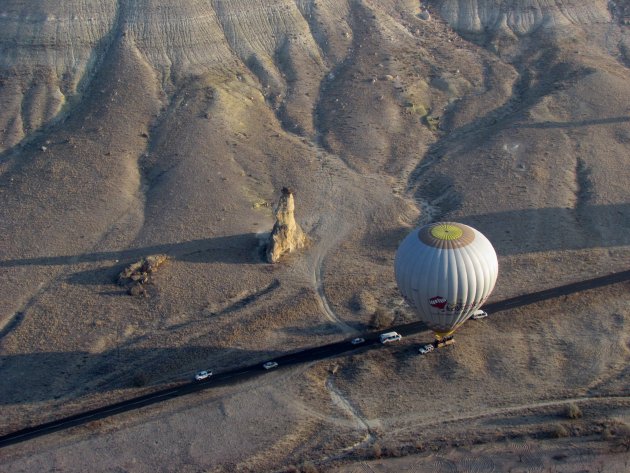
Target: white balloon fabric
446, 270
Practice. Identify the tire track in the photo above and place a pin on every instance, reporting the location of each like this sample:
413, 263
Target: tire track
342, 402
332, 228
322, 300
624, 400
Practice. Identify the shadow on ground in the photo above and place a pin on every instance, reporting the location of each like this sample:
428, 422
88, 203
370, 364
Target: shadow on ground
538, 230
233, 249
45, 376
550, 229
533, 230
578, 123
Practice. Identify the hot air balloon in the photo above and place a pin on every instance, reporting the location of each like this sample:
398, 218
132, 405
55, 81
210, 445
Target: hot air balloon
446, 271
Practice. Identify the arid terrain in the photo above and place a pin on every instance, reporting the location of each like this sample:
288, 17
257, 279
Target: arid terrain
131, 128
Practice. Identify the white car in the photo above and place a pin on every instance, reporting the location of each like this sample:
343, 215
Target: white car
356, 341
390, 337
424, 349
203, 375
270, 365
479, 314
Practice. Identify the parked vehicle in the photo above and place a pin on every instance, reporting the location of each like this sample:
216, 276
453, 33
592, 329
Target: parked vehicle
424, 349
270, 365
357, 341
479, 314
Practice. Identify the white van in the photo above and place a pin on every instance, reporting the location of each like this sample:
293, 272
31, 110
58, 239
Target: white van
479, 314
390, 337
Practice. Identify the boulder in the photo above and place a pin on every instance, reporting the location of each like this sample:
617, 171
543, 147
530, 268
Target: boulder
137, 275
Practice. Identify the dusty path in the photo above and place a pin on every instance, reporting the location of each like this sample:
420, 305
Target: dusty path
341, 401
332, 228
323, 301
392, 426
415, 422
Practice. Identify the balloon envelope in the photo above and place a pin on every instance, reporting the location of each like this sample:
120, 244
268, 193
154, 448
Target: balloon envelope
446, 270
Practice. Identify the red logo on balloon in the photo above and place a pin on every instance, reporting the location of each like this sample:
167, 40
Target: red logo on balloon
438, 302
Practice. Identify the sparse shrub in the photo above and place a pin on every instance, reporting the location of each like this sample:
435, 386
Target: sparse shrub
309, 467
560, 431
573, 411
137, 289
377, 451
624, 438
431, 122
381, 319
417, 108
392, 451
620, 432
95, 425
364, 302
140, 379
623, 428
607, 434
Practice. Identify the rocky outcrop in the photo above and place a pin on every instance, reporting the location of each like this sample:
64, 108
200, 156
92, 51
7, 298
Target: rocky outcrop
520, 17
286, 236
136, 276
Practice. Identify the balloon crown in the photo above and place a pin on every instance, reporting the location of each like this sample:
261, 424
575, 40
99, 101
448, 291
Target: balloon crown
447, 232
446, 235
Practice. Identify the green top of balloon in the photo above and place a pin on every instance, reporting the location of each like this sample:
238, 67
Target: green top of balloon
446, 235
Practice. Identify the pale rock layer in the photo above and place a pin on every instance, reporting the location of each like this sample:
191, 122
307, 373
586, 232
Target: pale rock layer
287, 235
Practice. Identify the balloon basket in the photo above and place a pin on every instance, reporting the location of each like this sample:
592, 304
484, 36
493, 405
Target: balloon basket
444, 343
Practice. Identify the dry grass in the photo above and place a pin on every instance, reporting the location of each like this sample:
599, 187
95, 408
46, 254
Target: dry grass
560, 431
364, 302
573, 411
376, 451
309, 467
140, 379
382, 318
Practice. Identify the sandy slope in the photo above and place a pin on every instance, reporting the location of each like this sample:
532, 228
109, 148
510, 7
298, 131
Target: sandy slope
139, 127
